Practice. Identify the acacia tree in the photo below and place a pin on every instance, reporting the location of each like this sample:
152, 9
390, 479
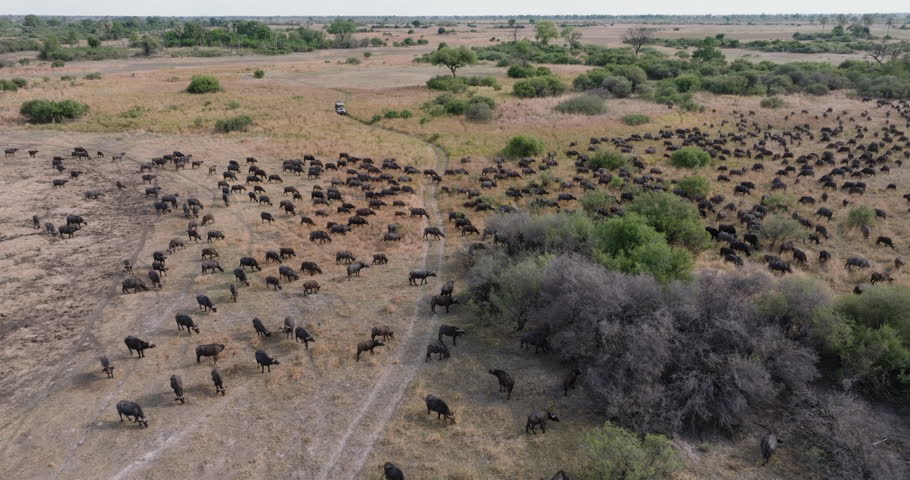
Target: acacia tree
841, 20
454, 58
342, 29
823, 20
638, 37
572, 36
546, 31
514, 26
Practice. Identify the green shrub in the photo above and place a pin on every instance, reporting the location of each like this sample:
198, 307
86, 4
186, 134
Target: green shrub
615, 453
817, 89
687, 83
259, 73
584, 104
8, 86
232, 105
596, 199
674, 217
57, 64
19, 82
527, 71
859, 216
523, 146
690, 157
203, 84
46, 111
693, 186
479, 112
93, 76
367, 54
610, 160
538, 87
634, 119
780, 229
233, 124
352, 61
66, 78
134, 112
873, 342
630, 245
447, 83
619, 87
772, 102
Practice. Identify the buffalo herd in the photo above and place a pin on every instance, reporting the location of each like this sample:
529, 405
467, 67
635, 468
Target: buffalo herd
829, 165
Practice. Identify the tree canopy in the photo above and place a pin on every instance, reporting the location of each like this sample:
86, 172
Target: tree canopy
454, 58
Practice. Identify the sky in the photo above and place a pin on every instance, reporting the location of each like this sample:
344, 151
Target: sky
214, 8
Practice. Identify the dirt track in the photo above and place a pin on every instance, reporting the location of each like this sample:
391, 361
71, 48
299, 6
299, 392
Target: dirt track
314, 416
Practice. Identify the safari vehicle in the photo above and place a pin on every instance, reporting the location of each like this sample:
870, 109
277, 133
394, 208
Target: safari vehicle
339, 108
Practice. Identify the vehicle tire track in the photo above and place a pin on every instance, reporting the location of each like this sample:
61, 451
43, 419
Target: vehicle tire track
351, 451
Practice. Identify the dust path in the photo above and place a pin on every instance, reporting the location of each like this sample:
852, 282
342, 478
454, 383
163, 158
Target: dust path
351, 451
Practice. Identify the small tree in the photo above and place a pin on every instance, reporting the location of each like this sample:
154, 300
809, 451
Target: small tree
523, 146
841, 20
694, 186
454, 58
859, 216
823, 21
49, 47
616, 453
514, 26
781, 229
148, 45
342, 29
572, 36
690, 157
545, 31
638, 37
94, 42
260, 73
707, 54
203, 84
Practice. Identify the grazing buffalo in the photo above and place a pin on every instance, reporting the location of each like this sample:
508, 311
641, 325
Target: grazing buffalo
779, 266
301, 335
421, 275
184, 321
271, 281
884, 241
448, 289
391, 472
205, 303
380, 259
240, 275
133, 284
450, 331
505, 381
133, 343
368, 345
434, 231
768, 445
261, 331
436, 404
311, 286
211, 266
568, 383
288, 273
442, 301
209, 350
880, 277
320, 237
310, 268
383, 331
856, 262
439, 349
538, 339
218, 381
177, 385
355, 268
249, 262
106, 366
127, 408
264, 361
539, 418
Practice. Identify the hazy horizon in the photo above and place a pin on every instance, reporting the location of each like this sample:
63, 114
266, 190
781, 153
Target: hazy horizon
410, 8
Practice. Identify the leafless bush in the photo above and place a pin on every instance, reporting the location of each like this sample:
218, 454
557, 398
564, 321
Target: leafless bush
681, 357
854, 441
